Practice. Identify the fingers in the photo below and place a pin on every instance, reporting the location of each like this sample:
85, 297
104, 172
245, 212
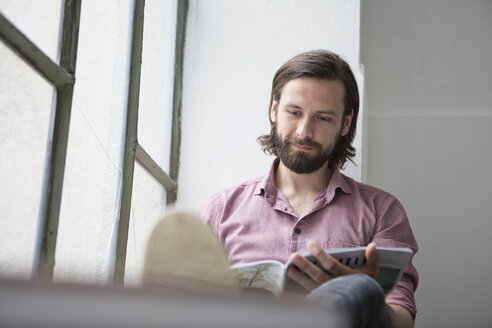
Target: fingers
328, 262
302, 279
309, 275
315, 273
335, 268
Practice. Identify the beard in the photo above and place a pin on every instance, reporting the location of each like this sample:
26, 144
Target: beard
298, 161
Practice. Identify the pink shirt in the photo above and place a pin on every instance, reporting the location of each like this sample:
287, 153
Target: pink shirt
254, 221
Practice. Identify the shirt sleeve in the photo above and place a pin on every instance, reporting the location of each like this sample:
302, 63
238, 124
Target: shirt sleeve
393, 230
211, 212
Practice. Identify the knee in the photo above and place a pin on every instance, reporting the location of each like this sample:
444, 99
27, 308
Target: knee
361, 289
358, 297
362, 285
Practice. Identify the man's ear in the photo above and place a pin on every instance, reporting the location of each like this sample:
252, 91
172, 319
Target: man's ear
347, 122
273, 111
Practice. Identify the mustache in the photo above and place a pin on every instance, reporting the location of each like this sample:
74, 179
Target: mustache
302, 142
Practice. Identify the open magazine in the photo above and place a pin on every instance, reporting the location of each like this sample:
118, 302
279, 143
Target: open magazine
271, 274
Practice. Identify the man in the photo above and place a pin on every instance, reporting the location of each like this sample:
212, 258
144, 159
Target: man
305, 204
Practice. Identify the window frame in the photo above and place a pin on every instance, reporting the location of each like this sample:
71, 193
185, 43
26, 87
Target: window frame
62, 77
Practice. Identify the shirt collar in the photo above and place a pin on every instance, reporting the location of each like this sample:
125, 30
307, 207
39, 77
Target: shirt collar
267, 186
337, 181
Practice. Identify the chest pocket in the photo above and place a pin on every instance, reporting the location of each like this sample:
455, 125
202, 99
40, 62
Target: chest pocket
341, 244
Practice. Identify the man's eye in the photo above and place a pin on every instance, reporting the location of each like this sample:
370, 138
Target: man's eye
324, 119
293, 112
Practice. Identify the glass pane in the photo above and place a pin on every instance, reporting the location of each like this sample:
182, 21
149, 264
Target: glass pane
91, 191
40, 21
148, 204
26, 102
156, 88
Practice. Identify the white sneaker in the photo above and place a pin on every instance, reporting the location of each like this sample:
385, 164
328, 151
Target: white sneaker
183, 253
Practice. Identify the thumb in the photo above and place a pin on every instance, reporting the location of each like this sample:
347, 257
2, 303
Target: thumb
372, 260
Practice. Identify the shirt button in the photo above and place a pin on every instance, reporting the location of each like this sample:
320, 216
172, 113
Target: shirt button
297, 230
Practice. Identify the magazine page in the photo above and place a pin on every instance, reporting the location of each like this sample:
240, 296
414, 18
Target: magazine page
261, 274
392, 263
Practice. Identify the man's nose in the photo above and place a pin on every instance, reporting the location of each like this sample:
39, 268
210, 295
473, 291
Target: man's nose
305, 128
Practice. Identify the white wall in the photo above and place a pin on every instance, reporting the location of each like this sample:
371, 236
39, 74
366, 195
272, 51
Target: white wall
429, 95
233, 49
25, 108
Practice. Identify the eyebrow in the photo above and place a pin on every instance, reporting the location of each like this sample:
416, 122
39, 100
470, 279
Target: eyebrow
326, 111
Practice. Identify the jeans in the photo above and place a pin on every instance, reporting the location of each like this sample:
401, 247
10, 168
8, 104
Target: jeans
352, 301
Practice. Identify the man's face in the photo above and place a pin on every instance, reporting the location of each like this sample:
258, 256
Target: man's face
309, 120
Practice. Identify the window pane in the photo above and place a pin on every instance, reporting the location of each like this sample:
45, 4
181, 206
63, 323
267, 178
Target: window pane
148, 204
26, 102
91, 191
156, 85
40, 21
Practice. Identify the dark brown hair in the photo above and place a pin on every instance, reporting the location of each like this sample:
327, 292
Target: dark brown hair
321, 64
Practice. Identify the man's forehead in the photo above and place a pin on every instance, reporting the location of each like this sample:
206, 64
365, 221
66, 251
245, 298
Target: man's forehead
328, 92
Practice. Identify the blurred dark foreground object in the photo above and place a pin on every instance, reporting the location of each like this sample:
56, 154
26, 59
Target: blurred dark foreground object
39, 304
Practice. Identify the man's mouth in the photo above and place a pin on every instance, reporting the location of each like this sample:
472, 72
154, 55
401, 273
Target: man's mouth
301, 148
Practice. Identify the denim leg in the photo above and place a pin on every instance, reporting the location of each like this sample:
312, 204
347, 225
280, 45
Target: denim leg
352, 301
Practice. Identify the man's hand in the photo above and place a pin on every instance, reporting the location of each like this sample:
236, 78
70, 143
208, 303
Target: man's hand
314, 276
